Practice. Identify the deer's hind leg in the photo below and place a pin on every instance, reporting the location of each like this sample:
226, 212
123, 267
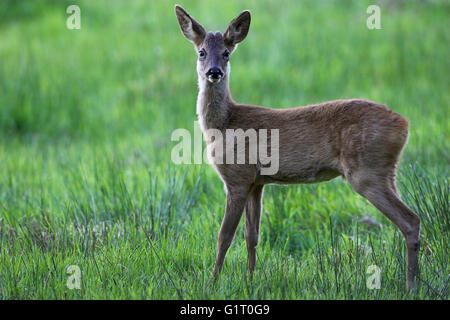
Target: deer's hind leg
378, 186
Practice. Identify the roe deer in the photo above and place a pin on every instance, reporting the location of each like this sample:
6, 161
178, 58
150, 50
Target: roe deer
357, 139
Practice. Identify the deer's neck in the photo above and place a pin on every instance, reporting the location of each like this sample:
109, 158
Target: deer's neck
213, 103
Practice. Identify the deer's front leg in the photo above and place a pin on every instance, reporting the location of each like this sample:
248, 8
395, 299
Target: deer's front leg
236, 200
252, 224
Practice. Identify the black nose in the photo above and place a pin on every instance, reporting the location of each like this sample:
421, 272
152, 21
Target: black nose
214, 73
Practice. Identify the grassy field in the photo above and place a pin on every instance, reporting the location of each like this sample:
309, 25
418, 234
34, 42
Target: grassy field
86, 178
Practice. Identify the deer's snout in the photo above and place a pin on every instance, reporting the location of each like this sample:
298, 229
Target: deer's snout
214, 74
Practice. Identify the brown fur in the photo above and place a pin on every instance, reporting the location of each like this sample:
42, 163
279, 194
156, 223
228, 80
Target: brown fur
357, 139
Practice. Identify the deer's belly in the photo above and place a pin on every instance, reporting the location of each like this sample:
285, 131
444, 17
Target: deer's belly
307, 175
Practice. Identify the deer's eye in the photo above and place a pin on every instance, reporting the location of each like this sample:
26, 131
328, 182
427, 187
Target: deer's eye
202, 54
226, 54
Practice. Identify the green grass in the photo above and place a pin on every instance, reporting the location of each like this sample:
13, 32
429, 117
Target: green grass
85, 172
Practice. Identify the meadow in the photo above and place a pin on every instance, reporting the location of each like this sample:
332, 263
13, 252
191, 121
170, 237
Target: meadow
86, 177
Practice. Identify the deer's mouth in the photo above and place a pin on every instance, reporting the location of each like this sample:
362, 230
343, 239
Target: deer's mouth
214, 79
214, 75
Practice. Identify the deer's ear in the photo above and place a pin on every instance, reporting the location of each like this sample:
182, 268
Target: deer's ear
191, 29
238, 29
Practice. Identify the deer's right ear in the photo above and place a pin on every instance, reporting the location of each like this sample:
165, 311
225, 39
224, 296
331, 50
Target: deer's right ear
191, 29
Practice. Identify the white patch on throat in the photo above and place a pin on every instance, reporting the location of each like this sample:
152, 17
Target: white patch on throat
213, 102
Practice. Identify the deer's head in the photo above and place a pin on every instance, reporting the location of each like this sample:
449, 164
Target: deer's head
214, 49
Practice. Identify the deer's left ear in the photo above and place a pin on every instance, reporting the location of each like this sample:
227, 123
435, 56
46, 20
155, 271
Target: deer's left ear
238, 29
